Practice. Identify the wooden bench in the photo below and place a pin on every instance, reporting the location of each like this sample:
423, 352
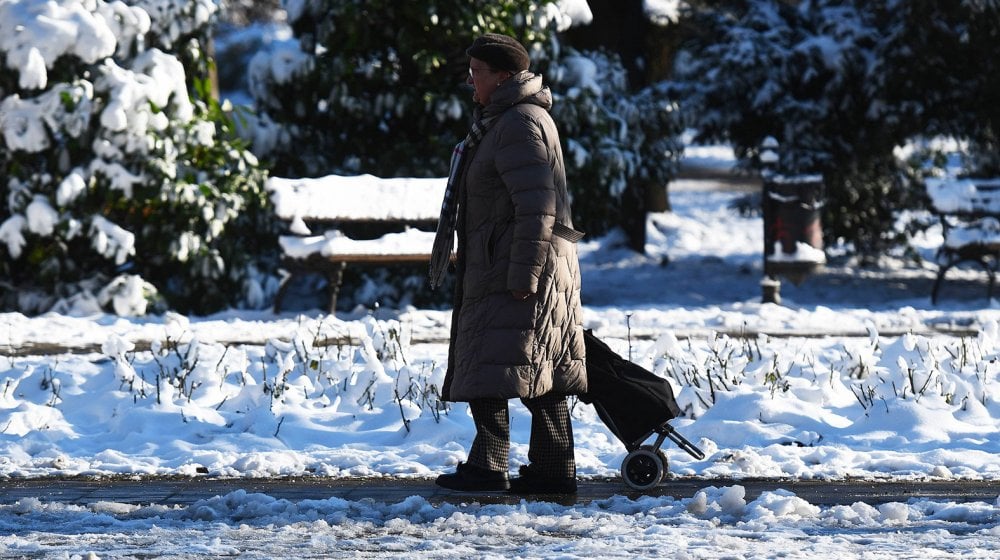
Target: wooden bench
337, 220
969, 211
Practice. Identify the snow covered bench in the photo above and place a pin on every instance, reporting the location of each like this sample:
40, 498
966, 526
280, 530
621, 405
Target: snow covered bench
969, 210
337, 220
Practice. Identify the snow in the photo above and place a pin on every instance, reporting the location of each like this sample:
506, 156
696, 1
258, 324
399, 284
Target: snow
110, 240
24, 121
576, 11
984, 232
717, 524
117, 120
977, 199
880, 393
714, 157
662, 12
11, 233
35, 34
357, 198
852, 377
580, 70
285, 64
333, 242
795, 179
803, 253
970, 195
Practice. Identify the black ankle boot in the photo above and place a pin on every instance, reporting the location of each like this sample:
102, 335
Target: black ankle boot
470, 478
530, 482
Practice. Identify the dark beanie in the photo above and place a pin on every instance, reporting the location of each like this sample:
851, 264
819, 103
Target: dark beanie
501, 52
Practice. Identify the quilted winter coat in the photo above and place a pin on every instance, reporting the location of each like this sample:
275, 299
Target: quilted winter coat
515, 233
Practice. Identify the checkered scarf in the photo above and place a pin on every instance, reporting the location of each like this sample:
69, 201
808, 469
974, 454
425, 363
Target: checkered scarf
444, 239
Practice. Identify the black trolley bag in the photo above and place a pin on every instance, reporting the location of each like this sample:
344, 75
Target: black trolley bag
633, 403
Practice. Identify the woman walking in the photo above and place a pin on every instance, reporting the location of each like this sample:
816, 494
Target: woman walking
517, 322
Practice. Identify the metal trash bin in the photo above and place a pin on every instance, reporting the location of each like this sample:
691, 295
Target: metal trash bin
793, 233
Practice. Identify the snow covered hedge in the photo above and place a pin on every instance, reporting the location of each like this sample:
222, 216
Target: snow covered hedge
123, 184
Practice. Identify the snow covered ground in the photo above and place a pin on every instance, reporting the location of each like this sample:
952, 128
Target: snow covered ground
857, 375
717, 523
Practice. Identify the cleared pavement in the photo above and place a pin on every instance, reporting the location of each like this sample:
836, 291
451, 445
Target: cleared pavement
186, 491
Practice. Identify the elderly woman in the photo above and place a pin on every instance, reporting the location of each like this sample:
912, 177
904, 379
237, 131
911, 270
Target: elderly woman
517, 322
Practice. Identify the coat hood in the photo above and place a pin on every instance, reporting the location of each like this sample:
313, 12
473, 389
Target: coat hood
523, 87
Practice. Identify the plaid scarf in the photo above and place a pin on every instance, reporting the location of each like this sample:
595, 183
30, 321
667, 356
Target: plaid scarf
444, 239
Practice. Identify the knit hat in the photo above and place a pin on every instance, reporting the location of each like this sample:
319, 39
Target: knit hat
501, 52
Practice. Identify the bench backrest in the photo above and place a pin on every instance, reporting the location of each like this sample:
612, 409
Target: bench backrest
359, 198
972, 197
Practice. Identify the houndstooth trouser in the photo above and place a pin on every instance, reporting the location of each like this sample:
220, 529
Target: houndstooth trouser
550, 450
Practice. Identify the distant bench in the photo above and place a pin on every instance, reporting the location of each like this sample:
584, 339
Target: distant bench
969, 210
337, 220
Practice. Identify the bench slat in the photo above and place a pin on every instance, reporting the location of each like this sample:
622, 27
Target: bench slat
969, 210
362, 258
359, 198
965, 196
333, 245
321, 212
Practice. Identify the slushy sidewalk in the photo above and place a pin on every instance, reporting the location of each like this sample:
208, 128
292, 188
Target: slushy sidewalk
186, 491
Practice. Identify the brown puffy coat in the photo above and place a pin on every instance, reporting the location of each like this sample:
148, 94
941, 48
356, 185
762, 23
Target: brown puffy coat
513, 196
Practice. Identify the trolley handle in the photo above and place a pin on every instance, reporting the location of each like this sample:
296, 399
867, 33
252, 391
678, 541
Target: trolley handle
682, 442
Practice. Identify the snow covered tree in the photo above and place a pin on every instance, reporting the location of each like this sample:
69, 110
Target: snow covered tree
798, 73
120, 190
616, 142
376, 87
944, 63
841, 85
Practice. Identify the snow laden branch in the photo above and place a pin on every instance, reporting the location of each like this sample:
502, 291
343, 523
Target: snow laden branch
125, 186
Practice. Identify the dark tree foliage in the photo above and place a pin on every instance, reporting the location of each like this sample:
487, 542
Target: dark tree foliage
380, 89
385, 95
841, 85
943, 60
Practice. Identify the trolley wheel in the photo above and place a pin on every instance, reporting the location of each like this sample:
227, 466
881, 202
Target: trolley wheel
643, 468
666, 464
663, 459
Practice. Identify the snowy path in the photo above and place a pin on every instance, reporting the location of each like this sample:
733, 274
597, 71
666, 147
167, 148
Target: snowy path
823, 396
714, 523
177, 491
